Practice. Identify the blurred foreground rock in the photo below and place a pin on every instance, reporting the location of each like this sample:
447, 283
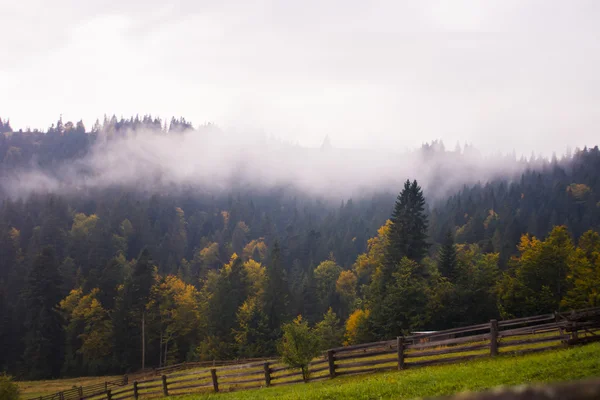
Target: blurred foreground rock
578, 390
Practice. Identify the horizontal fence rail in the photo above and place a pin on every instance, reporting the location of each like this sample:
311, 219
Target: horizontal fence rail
516, 336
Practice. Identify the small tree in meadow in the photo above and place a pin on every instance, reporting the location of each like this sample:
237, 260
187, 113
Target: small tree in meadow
299, 345
8, 389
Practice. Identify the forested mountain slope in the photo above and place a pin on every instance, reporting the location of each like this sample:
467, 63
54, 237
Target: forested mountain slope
212, 249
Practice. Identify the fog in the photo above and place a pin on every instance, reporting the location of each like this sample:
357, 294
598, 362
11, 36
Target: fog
217, 160
380, 75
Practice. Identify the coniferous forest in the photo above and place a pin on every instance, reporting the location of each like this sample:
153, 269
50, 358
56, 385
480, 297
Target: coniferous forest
111, 278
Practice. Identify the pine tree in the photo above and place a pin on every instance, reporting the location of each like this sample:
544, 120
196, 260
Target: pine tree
276, 297
45, 337
129, 318
447, 258
408, 230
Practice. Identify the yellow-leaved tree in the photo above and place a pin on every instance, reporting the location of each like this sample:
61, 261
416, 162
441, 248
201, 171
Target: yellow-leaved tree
173, 307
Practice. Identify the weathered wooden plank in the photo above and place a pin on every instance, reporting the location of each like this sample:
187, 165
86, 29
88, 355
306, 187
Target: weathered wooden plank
117, 392
526, 320
367, 363
363, 355
240, 374
364, 346
448, 360
508, 332
205, 385
461, 340
142, 387
288, 375
191, 379
508, 343
242, 366
278, 369
453, 331
261, 379
315, 370
449, 350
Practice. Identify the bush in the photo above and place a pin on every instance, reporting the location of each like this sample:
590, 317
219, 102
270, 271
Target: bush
8, 389
299, 345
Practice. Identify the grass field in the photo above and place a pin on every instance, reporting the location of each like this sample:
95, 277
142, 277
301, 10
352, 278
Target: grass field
31, 389
551, 366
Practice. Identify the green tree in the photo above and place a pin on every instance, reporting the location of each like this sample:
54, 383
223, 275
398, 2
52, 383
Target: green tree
538, 279
129, 318
326, 275
90, 329
45, 336
9, 390
583, 278
328, 331
299, 345
447, 258
408, 230
276, 296
403, 305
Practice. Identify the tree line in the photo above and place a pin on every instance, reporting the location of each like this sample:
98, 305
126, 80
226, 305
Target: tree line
116, 280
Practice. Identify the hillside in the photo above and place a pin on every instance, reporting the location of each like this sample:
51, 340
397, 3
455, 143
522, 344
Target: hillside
127, 234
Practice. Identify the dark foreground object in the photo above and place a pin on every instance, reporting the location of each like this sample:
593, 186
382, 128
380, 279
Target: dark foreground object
579, 390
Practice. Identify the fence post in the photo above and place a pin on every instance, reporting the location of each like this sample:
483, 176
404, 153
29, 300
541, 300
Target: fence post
80, 390
331, 360
400, 345
125, 380
135, 390
213, 373
493, 338
61, 395
573, 328
108, 395
267, 374
165, 388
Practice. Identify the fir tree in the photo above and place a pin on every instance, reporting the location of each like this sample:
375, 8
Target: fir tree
447, 258
276, 297
408, 230
45, 337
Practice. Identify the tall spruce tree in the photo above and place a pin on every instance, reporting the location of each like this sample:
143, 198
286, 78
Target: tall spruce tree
44, 340
408, 230
276, 297
447, 258
129, 318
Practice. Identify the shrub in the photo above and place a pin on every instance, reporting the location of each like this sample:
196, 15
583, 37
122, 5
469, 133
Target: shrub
299, 345
8, 389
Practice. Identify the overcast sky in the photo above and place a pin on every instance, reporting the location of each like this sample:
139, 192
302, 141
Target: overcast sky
503, 75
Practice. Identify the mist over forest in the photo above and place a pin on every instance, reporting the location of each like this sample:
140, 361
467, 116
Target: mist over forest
132, 221
147, 156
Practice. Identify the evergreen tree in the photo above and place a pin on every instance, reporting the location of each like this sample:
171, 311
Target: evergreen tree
276, 297
408, 230
402, 307
447, 258
45, 337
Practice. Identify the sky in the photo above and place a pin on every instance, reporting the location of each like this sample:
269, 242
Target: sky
499, 74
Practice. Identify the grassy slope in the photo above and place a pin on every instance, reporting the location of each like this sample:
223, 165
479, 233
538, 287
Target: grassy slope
558, 365
31, 389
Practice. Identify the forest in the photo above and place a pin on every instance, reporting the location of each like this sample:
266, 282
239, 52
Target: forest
104, 279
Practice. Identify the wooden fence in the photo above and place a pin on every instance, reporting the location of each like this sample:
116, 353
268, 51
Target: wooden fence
200, 364
516, 336
98, 390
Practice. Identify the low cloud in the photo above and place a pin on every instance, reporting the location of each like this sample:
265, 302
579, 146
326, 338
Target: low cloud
215, 160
